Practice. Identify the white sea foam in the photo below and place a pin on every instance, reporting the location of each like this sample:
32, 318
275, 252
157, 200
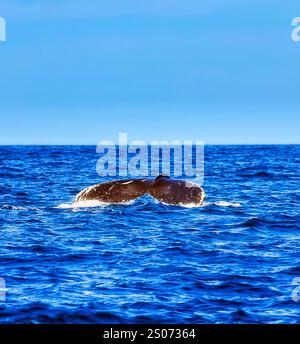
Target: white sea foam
89, 204
12, 207
189, 205
81, 204
184, 205
223, 204
95, 203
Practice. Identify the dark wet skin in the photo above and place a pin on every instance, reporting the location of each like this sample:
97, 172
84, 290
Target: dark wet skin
163, 188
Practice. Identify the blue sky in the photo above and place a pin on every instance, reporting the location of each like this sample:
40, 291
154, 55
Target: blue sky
76, 72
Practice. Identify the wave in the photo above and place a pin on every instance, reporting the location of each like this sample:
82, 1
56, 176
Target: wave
16, 208
95, 203
252, 222
89, 204
263, 174
186, 205
12, 207
223, 204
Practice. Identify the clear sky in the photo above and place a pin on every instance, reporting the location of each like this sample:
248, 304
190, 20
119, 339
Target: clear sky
222, 71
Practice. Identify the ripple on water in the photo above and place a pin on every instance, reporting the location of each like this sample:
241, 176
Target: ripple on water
232, 260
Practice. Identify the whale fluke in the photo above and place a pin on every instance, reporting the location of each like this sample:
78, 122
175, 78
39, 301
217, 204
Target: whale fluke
163, 188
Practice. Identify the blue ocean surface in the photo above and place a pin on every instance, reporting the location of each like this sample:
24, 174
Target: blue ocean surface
231, 261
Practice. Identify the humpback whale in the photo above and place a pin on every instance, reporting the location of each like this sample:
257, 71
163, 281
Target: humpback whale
163, 188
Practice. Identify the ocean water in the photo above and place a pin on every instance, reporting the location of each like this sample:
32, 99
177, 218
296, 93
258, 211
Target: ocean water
231, 261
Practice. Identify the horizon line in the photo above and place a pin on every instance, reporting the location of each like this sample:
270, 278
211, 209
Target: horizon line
90, 145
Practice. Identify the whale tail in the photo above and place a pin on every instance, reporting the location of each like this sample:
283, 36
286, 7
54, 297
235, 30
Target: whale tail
162, 188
